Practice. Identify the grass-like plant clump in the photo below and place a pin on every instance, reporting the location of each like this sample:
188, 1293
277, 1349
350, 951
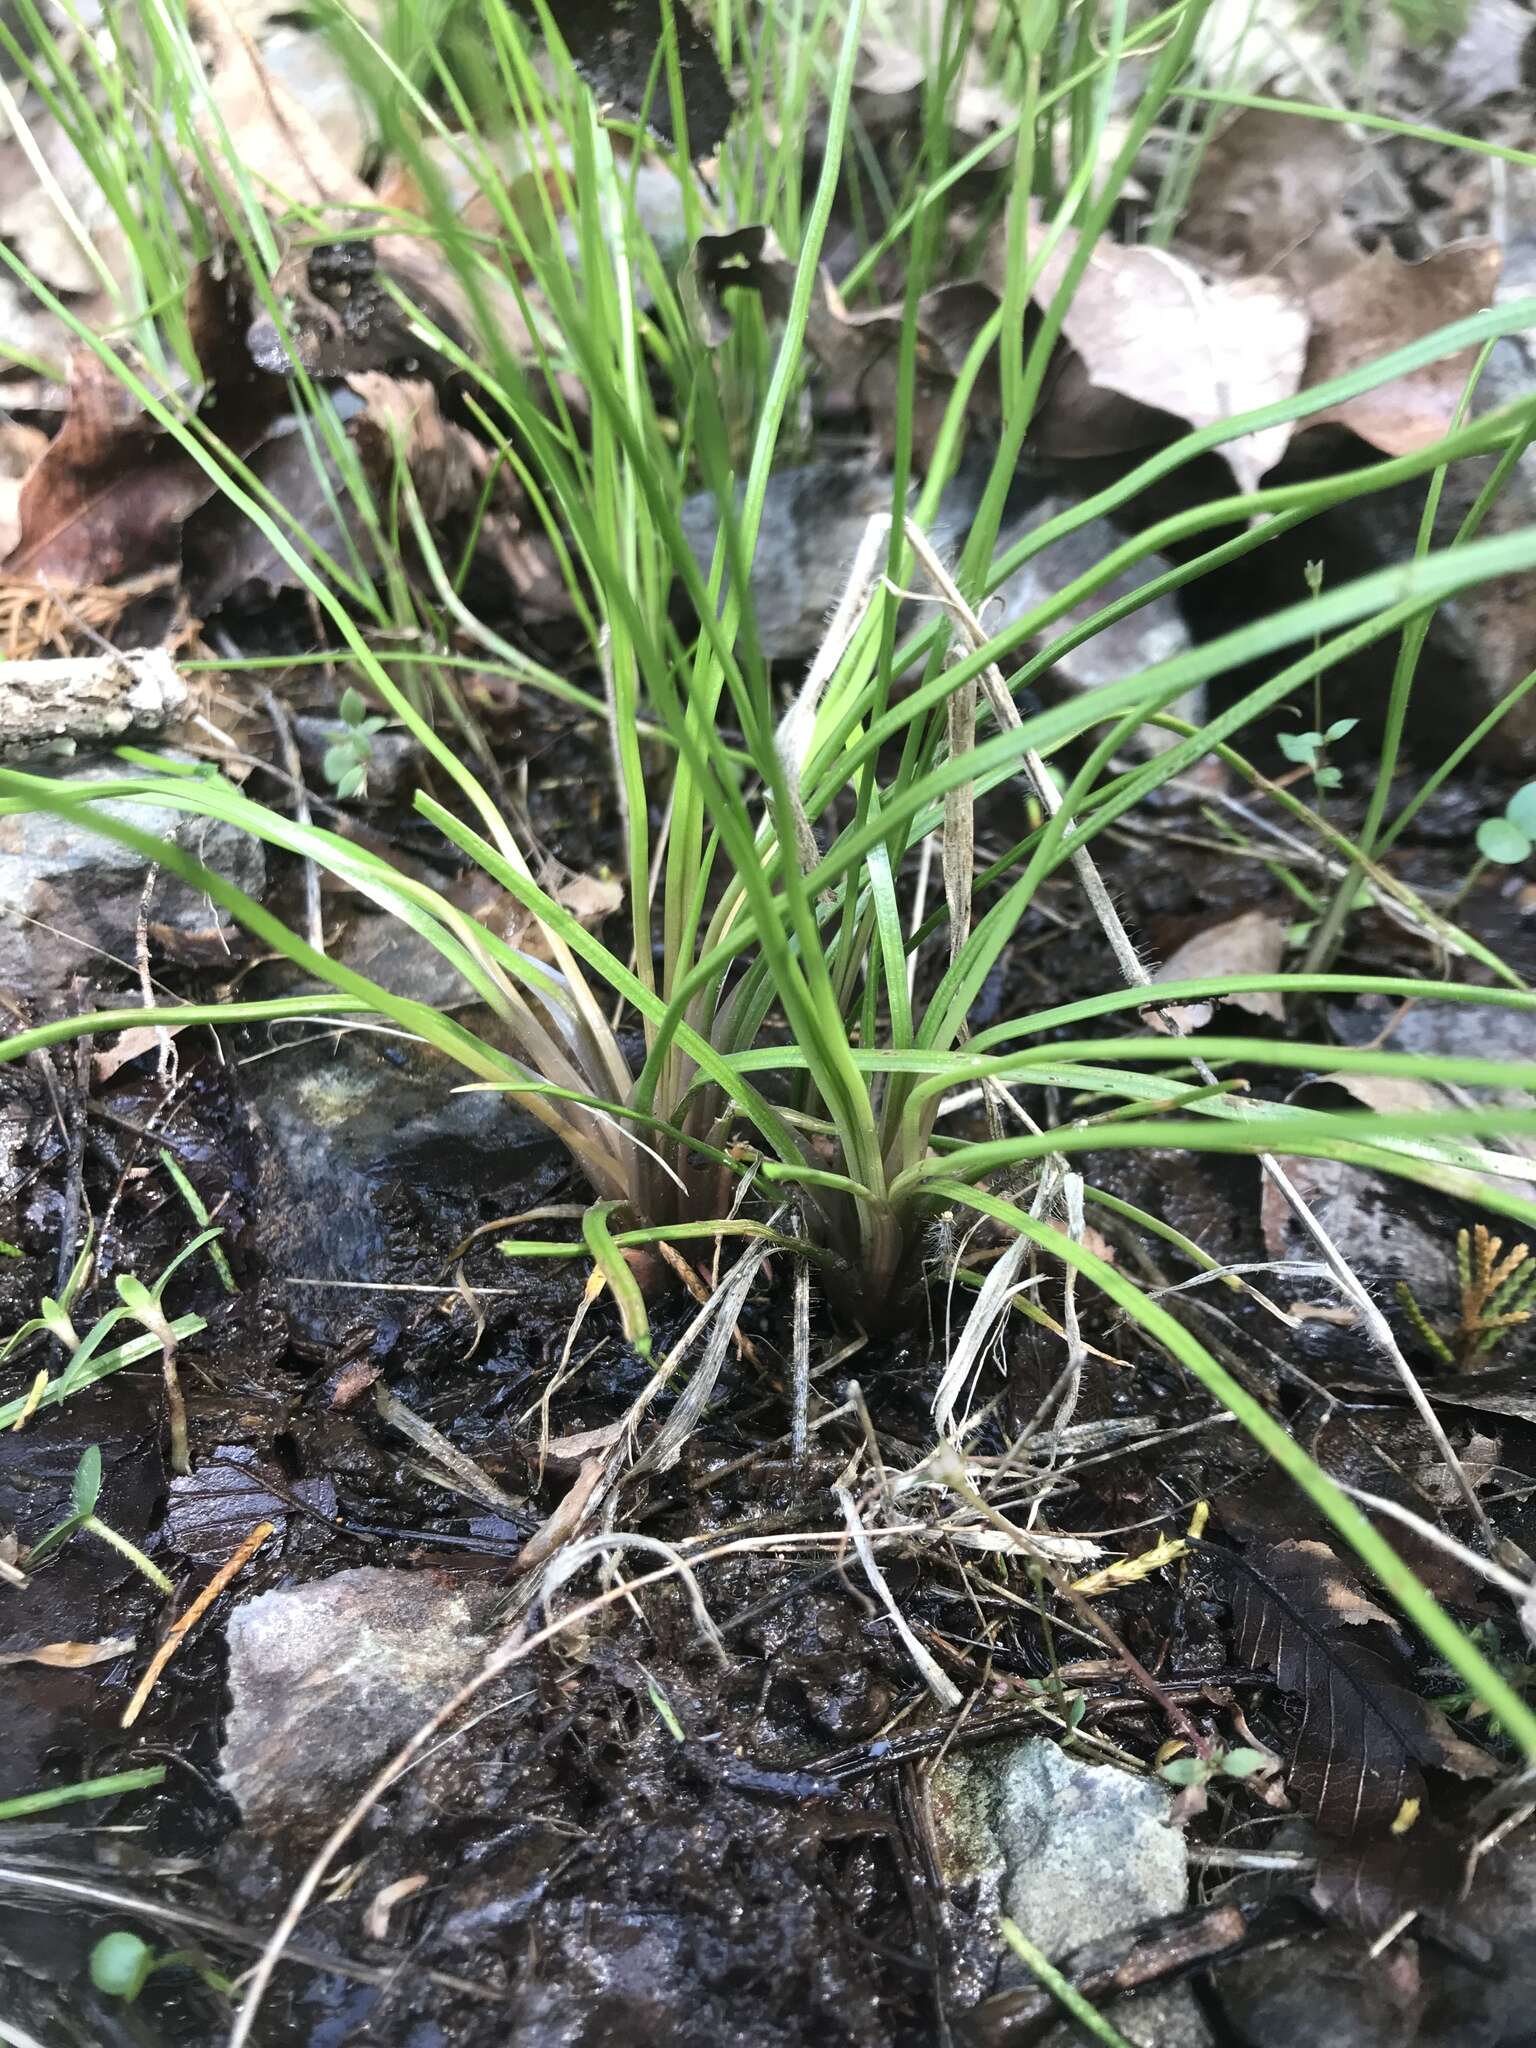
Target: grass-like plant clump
788, 1014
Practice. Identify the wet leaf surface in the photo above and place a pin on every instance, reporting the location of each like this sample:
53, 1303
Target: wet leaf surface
1364, 1737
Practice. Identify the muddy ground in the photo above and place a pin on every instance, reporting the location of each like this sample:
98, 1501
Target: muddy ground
636, 1836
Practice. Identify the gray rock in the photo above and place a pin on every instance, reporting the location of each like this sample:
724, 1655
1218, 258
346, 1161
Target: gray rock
326, 1681
69, 896
813, 521
1138, 641
1073, 1853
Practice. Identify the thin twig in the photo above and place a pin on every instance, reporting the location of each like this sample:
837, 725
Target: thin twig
288, 747
184, 1623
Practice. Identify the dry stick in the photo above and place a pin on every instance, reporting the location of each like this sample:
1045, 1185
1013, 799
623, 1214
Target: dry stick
1136, 976
294, 767
801, 1403
184, 1623
166, 1061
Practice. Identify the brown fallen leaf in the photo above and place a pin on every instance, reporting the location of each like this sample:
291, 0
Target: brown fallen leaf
1368, 1886
1479, 1459
71, 1656
282, 148
1253, 943
108, 498
1267, 184
1380, 304
1361, 1748
106, 501
225, 553
1148, 325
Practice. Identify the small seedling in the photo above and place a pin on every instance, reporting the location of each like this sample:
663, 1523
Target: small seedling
82, 1516
1308, 749
1236, 1763
123, 1963
347, 757
1495, 1287
142, 1305
53, 1317
89, 1357
1466, 1703
1508, 840
199, 1208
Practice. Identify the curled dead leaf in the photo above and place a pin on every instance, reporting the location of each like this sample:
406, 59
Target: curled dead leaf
1253, 943
107, 499
1151, 327
1268, 182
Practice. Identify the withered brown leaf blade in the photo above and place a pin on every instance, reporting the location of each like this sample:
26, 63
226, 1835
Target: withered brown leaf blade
615, 45
1363, 1735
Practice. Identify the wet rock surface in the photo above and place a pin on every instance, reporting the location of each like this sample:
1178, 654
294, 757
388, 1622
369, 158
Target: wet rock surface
68, 897
373, 1169
326, 1680
1072, 1852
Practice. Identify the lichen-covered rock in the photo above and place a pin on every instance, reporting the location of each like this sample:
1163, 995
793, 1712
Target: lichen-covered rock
1073, 1853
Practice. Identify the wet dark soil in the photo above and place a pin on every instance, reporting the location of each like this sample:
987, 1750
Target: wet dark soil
643, 1839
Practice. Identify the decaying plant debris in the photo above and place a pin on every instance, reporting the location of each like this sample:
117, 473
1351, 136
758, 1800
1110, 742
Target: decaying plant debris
766, 777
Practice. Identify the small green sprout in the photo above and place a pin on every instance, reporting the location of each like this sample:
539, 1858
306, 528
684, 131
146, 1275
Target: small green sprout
122, 1964
1237, 1763
347, 758
54, 1316
1307, 750
1496, 1290
1508, 840
84, 1494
